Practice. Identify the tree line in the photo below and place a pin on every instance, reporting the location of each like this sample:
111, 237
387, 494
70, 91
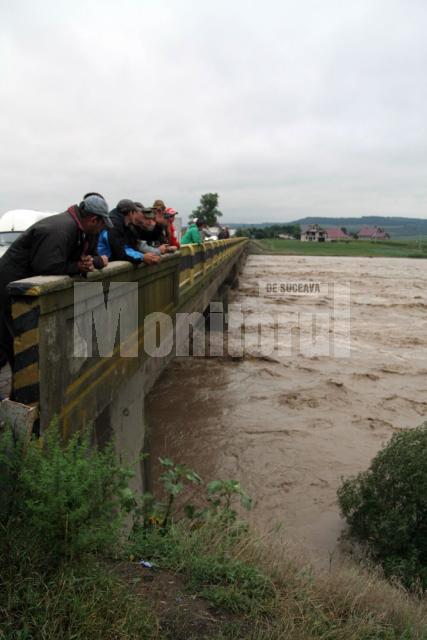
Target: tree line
259, 233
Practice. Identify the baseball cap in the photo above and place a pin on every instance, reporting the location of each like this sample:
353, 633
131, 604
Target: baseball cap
159, 204
148, 211
97, 206
126, 206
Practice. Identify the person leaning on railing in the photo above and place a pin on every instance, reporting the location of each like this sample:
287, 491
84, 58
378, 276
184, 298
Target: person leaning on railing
146, 233
62, 244
121, 242
160, 235
146, 224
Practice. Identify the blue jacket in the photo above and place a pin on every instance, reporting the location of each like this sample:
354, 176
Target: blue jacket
121, 242
104, 248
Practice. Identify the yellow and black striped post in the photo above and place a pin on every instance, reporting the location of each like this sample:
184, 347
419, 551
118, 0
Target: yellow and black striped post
25, 318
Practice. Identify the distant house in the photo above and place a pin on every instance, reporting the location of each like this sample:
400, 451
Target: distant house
285, 236
373, 233
335, 233
313, 233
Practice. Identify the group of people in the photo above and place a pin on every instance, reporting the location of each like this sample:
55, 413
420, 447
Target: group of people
85, 237
138, 233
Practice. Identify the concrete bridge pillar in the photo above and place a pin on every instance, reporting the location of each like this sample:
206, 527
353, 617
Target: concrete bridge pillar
128, 426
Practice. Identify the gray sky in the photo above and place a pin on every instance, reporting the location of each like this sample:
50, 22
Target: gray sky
285, 109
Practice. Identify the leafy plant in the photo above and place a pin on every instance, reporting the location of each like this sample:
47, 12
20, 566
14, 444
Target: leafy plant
386, 507
174, 479
221, 493
60, 504
69, 497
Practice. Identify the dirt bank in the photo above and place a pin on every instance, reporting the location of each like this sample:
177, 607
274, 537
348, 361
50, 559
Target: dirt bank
319, 403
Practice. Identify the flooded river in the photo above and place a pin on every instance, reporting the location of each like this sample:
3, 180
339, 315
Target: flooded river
338, 363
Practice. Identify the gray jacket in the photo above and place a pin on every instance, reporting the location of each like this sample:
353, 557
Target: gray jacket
144, 247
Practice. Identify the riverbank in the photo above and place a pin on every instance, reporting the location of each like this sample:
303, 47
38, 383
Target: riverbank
70, 569
207, 584
404, 248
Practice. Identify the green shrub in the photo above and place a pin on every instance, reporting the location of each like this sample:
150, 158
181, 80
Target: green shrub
386, 507
61, 503
61, 499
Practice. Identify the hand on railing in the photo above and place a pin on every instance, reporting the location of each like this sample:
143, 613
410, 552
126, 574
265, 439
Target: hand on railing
85, 264
150, 258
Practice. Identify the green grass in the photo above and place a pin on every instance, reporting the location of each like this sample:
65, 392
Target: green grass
75, 602
415, 238
207, 560
258, 591
387, 248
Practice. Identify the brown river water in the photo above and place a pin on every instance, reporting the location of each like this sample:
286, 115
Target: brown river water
338, 369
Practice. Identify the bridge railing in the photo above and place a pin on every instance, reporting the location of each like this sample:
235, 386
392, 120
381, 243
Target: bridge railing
65, 366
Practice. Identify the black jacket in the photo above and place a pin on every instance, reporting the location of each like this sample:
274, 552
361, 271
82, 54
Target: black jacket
53, 246
122, 236
158, 235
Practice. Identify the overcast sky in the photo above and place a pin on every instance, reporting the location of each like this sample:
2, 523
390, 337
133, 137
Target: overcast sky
285, 109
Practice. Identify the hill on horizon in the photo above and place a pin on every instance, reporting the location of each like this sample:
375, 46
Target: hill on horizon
395, 226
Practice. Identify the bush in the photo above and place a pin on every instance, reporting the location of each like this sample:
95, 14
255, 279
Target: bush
60, 504
62, 500
386, 507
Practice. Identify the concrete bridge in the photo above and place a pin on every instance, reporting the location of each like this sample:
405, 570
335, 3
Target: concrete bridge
88, 350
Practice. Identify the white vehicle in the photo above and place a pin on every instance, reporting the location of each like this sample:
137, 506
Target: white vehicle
15, 222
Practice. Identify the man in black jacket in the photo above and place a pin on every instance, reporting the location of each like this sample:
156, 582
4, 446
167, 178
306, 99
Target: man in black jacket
62, 244
159, 235
123, 238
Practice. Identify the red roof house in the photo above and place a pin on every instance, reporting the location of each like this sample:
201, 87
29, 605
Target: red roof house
373, 233
335, 233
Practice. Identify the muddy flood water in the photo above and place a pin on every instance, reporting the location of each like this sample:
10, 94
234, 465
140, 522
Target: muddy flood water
346, 368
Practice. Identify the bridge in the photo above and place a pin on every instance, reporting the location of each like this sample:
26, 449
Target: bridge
88, 350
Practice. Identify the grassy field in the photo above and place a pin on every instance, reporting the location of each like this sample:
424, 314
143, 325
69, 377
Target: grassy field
388, 248
416, 238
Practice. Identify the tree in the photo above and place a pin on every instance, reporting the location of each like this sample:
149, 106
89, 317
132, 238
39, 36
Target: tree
386, 507
207, 209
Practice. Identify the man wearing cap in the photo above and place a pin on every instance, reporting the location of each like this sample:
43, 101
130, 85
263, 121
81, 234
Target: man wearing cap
62, 244
146, 226
123, 238
159, 236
